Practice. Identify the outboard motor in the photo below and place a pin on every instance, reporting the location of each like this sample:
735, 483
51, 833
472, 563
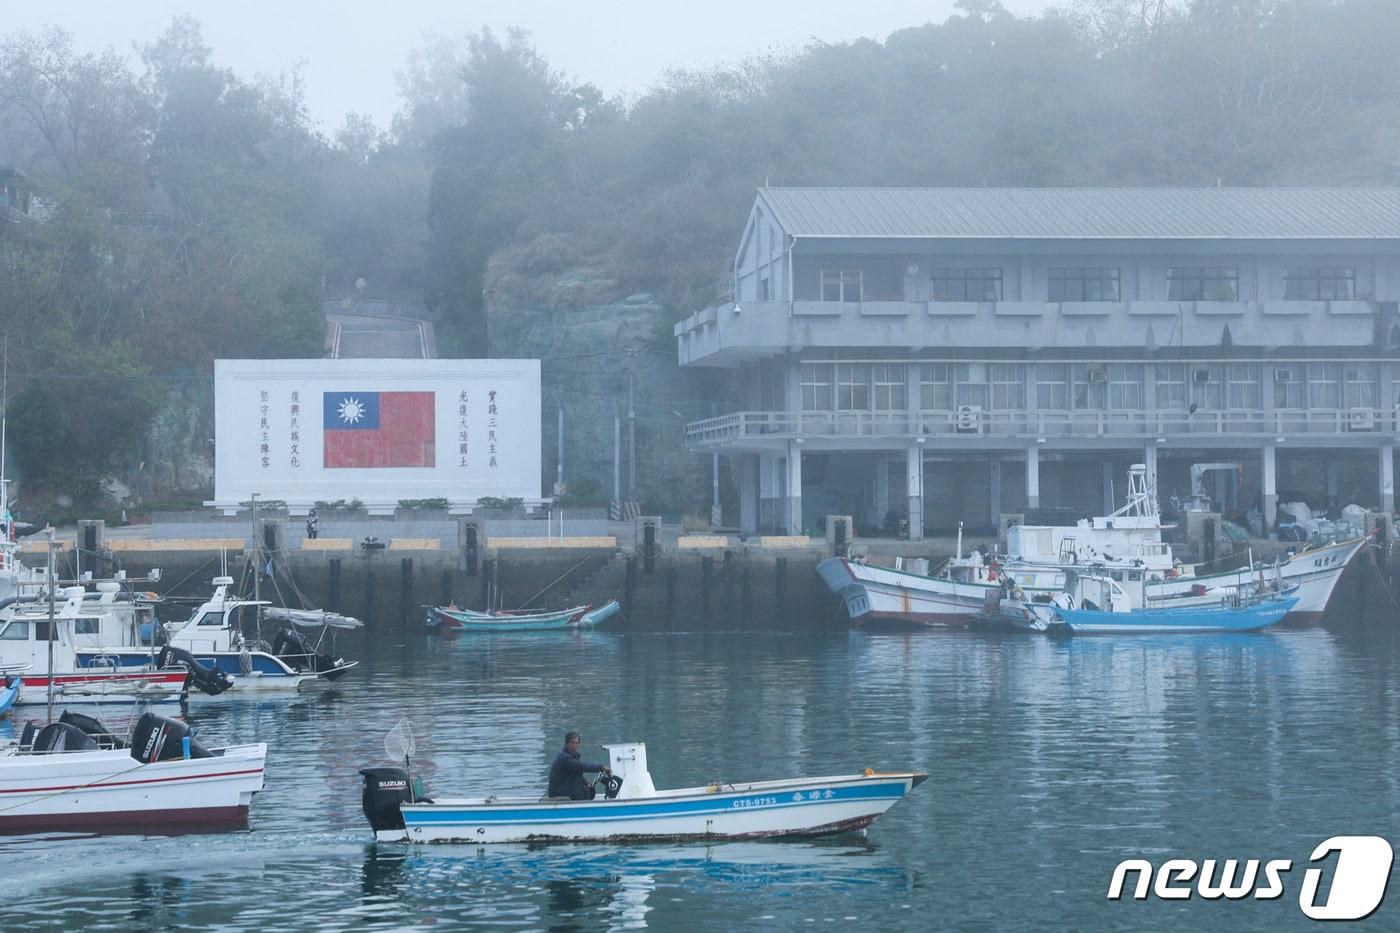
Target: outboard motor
63, 737
205, 679
385, 789
26, 738
159, 738
612, 784
93, 728
292, 647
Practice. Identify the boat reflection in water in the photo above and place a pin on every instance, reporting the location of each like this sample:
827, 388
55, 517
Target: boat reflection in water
635, 886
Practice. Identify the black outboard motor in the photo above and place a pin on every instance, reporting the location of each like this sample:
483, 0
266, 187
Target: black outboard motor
94, 728
63, 737
205, 679
159, 738
612, 784
385, 789
292, 647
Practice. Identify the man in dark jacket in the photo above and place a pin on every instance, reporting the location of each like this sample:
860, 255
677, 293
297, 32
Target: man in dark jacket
566, 774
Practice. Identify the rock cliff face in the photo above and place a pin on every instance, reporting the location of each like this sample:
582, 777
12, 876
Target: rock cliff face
591, 338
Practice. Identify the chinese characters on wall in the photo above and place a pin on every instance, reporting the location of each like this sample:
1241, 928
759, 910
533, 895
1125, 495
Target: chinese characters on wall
264, 433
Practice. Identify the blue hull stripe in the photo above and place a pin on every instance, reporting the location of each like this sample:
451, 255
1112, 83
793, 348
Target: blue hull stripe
227, 662
573, 813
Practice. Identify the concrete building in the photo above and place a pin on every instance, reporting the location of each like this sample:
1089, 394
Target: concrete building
939, 356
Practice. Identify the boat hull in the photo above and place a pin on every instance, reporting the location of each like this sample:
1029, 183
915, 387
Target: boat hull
1314, 572
461, 620
111, 791
875, 594
102, 687
815, 807
266, 672
1198, 620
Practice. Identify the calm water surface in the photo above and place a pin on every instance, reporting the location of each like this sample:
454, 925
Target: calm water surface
1050, 761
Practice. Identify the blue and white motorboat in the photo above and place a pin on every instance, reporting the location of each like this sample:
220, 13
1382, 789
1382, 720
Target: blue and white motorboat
1230, 614
633, 810
213, 638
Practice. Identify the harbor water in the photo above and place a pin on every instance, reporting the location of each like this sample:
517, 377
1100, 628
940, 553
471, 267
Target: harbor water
1050, 761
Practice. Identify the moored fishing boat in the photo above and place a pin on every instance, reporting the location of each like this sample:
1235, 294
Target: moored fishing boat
450, 618
633, 810
1232, 614
73, 775
212, 637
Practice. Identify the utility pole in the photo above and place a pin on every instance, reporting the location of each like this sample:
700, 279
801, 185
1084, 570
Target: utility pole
632, 433
617, 456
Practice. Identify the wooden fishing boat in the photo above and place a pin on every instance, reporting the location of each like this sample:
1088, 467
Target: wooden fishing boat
450, 618
633, 810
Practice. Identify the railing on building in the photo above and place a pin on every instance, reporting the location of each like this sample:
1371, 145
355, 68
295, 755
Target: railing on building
1030, 425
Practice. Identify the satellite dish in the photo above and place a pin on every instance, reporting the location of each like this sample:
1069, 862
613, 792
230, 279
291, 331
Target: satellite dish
398, 741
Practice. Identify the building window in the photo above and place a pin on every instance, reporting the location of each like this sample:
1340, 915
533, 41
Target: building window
1289, 387
1319, 283
1052, 386
891, 389
1324, 386
971, 385
1008, 386
764, 287
1242, 390
935, 387
966, 285
1091, 284
841, 285
1090, 386
1170, 380
1359, 385
852, 386
1125, 386
1203, 283
817, 387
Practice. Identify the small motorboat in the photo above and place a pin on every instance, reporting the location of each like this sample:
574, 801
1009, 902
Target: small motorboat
452, 619
75, 775
1232, 613
631, 809
10, 685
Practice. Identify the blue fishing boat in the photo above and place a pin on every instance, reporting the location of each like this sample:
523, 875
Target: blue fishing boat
10, 691
1223, 617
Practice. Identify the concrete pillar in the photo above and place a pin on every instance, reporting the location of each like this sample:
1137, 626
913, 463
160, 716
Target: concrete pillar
1333, 471
1388, 479
914, 482
1269, 487
768, 495
794, 488
882, 487
1033, 477
1222, 491
1106, 472
748, 493
994, 498
1149, 459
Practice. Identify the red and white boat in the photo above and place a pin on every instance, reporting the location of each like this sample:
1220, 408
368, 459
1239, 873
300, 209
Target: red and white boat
72, 775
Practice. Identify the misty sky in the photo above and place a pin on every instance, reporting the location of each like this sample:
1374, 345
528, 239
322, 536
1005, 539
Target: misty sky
350, 48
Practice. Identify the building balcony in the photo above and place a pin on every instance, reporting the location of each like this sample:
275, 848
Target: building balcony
736, 334
991, 429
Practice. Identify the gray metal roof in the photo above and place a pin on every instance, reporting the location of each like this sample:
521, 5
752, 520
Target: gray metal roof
1087, 213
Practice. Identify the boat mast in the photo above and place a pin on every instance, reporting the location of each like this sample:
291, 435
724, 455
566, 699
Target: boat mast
257, 569
51, 624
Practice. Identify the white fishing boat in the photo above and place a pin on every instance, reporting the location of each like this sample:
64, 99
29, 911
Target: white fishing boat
213, 638
79, 620
73, 775
633, 810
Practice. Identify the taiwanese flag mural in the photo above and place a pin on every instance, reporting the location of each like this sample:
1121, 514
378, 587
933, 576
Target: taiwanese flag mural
378, 429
